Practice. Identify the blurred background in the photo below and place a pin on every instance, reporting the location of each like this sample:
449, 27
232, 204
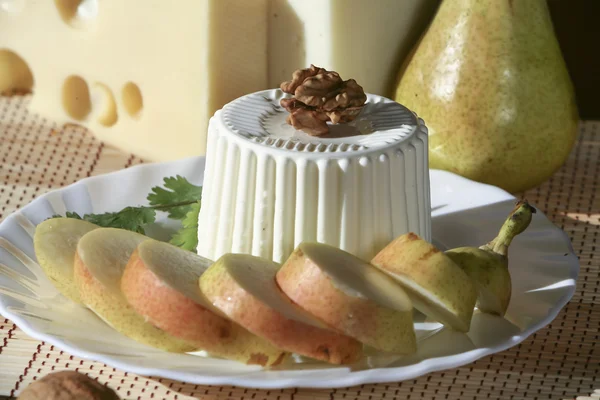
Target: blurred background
578, 32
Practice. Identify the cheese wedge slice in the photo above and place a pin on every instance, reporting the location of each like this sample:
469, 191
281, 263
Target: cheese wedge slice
438, 287
101, 257
244, 288
160, 282
144, 77
350, 295
55, 243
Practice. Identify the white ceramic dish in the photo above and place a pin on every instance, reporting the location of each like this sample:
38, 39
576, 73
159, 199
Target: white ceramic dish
543, 267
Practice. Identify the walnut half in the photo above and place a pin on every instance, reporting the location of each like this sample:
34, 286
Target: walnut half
321, 96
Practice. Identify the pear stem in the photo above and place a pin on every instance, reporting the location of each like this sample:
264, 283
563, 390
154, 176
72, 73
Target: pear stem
517, 221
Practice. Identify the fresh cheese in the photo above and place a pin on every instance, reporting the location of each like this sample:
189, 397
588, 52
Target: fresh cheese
269, 187
143, 76
359, 39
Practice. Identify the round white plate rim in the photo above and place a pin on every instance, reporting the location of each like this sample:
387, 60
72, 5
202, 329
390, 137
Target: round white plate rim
375, 375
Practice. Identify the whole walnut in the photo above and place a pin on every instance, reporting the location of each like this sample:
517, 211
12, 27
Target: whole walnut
320, 96
67, 385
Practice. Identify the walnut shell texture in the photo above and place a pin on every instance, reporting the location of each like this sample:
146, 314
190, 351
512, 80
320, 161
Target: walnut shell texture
321, 96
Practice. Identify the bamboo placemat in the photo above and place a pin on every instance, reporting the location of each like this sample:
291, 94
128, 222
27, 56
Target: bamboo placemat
560, 361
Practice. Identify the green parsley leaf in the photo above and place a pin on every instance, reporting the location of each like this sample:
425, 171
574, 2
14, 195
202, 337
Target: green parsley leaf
176, 197
179, 198
73, 215
187, 237
130, 218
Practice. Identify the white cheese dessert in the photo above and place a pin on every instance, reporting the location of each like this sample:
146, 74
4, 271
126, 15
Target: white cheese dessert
268, 187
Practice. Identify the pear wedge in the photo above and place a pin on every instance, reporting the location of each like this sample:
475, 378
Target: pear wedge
161, 283
487, 265
437, 286
490, 276
244, 288
101, 257
55, 244
349, 295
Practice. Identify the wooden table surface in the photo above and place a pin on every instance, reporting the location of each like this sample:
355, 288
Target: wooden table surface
561, 361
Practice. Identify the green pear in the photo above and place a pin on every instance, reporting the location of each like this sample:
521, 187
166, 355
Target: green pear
490, 82
487, 265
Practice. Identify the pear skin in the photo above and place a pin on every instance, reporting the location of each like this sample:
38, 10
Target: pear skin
160, 282
490, 275
489, 79
349, 295
101, 257
437, 286
244, 288
55, 244
487, 265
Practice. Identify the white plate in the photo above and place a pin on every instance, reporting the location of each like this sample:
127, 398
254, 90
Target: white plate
543, 268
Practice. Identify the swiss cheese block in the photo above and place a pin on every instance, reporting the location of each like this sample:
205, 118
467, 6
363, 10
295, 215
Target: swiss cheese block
146, 76
360, 39
143, 76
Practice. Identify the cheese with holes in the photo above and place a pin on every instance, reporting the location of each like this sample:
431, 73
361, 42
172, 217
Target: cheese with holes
360, 39
143, 76
147, 76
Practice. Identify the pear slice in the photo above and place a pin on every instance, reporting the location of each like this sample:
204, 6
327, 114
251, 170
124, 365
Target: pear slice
487, 265
244, 288
161, 283
101, 257
489, 272
437, 286
349, 295
55, 243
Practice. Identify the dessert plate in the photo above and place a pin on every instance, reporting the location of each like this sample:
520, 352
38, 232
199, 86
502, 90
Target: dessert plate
543, 267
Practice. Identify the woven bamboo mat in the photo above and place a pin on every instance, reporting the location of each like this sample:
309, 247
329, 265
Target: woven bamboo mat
561, 361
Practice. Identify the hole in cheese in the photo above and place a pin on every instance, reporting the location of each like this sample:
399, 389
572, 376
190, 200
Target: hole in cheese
77, 13
15, 74
76, 98
103, 101
132, 99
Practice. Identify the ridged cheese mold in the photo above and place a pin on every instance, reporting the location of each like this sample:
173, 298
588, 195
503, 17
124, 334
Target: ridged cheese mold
268, 187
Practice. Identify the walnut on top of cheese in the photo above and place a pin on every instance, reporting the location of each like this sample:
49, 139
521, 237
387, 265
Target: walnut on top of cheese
320, 96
